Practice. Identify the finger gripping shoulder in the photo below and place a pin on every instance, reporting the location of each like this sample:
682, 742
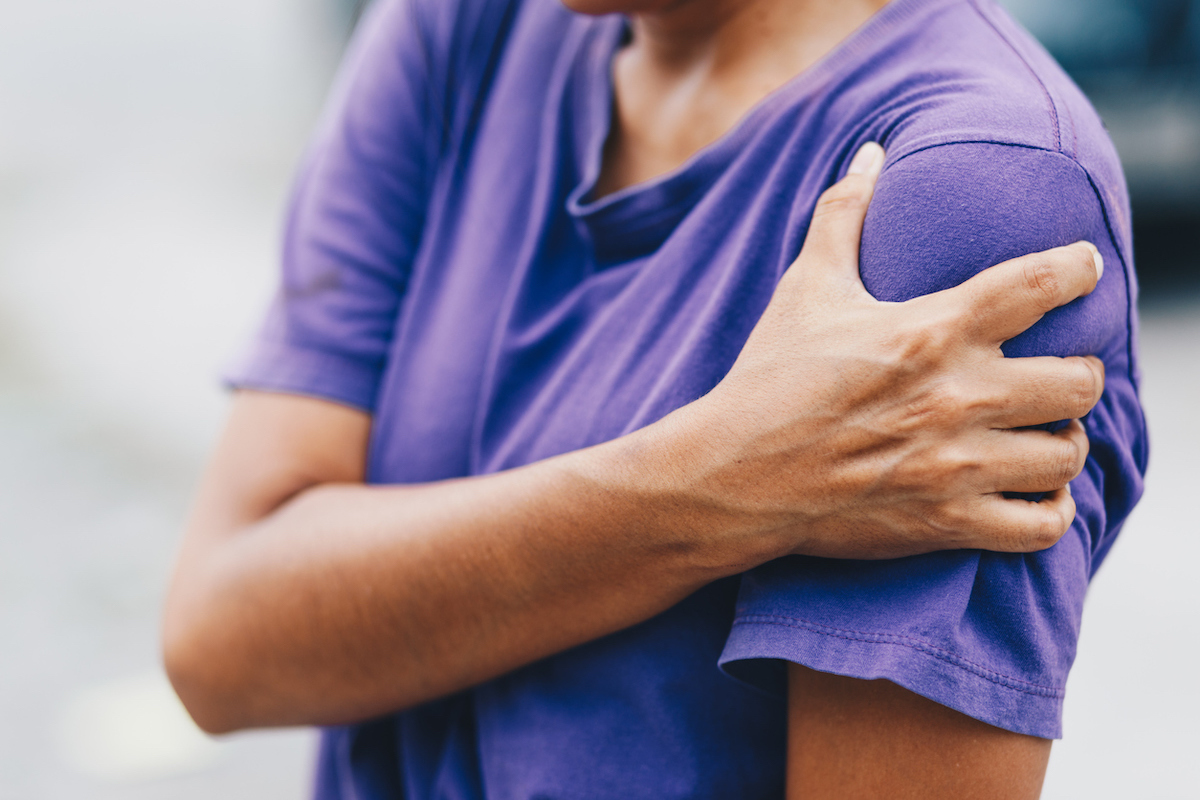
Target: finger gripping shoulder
1087, 383
851, 194
1049, 528
1068, 461
1042, 281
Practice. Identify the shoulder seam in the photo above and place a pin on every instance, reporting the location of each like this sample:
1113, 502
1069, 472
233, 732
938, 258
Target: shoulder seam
996, 142
1051, 106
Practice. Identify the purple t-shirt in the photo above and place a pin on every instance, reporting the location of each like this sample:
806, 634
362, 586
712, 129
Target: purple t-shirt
446, 269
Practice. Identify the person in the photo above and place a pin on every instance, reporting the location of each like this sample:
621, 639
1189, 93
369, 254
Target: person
547, 477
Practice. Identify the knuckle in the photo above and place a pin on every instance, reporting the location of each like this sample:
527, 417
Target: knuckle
1085, 447
1083, 259
938, 474
1081, 449
913, 475
924, 342
1042, 279
1046, 533
959, 465
949, 404
934, 474
1066, 463
1083, 389
950, 522
926, 475
926, 413
845, 196
1096, 377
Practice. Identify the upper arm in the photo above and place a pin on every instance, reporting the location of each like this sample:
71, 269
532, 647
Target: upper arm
275, 446
992, 635
943, 214
873, 739
355, 216
353, 227
313, 370
354, 223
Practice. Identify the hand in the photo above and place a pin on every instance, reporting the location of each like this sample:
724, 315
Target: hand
860, 429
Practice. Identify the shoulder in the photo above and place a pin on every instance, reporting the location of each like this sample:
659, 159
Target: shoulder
963, 71
452, 44
441, 39
439, 60
993, 153
945, 213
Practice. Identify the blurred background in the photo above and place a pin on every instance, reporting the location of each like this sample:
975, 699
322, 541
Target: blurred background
145, 154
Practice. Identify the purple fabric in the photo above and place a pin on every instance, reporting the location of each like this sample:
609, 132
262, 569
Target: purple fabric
446, 269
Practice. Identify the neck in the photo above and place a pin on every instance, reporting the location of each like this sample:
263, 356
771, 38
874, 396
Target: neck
726, 34
695, 67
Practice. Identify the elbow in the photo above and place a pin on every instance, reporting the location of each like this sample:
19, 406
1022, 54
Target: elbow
207, 715
200, 670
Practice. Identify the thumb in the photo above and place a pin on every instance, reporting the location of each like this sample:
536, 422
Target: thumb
829, 257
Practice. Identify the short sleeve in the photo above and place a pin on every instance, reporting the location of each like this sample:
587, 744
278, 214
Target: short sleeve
992, 635
355, 218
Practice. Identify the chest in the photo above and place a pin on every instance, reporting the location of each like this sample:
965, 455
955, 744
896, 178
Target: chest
536, 322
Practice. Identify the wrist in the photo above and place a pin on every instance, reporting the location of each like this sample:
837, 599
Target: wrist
668, 476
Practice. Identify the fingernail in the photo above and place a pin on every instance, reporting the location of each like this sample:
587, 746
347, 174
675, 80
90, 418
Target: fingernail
868, 159
1097, 259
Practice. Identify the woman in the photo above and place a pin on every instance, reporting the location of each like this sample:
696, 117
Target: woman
624, 531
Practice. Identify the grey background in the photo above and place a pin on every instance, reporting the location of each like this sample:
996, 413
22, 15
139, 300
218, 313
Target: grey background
145, 152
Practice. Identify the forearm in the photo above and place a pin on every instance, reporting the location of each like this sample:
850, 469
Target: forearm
349, 601
303, 596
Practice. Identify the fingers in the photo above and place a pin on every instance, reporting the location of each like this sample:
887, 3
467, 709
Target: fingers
1010, 297
1023, 526
1037, 391
1032, 461
1026, 462
830, 252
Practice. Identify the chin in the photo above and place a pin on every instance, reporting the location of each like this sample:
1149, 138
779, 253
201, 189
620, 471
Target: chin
595, 7
600, 7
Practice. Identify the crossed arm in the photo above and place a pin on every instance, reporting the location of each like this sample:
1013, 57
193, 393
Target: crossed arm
304, 596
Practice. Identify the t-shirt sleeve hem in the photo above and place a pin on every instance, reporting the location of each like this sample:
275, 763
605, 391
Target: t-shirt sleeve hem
759, 645
293, 369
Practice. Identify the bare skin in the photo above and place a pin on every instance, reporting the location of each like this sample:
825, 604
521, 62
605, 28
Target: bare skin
302, 596
695, 68
692, 70
872, 740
